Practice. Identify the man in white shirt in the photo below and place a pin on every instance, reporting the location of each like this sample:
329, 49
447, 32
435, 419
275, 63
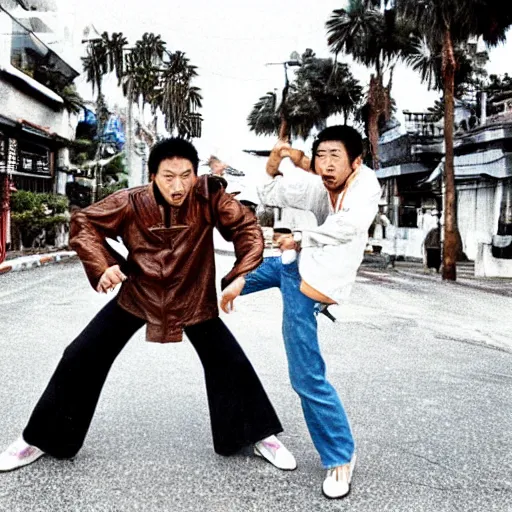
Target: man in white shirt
343, 195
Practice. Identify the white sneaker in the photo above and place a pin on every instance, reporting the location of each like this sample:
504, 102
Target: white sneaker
337, 481
19, 454
276, 453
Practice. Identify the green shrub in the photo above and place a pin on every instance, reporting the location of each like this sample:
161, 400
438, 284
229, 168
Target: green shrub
110, 189
32, 213
25, 201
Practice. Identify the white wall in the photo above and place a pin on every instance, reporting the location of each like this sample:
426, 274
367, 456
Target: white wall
476, 215
16, 105
488, 266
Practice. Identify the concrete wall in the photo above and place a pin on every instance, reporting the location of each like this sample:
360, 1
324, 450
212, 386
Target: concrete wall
16, 105
402, 242
488, 266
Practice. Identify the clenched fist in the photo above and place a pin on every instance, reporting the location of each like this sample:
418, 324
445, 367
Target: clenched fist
110, 279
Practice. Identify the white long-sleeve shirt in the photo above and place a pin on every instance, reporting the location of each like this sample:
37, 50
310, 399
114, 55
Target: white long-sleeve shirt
332, 252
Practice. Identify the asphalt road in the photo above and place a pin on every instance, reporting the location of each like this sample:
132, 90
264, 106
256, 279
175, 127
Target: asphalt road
423, 368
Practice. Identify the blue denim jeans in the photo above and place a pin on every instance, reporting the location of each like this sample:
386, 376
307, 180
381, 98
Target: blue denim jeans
324, 414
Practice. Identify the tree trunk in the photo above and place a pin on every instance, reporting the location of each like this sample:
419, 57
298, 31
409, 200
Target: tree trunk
379, 103
284, 131
284, 128
450, 223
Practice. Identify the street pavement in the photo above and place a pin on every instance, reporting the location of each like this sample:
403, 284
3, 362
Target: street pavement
423, 368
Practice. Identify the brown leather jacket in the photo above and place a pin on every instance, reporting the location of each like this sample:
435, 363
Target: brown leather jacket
171, 271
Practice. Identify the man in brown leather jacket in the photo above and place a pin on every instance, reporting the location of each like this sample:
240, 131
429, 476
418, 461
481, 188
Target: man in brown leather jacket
167, 284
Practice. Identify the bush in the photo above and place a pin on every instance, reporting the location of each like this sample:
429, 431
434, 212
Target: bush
35, 214
25, 201
110, 189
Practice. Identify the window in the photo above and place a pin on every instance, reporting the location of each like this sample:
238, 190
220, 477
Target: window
27, 52
34, 159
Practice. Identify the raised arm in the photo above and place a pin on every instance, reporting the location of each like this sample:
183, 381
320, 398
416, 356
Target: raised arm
283, 150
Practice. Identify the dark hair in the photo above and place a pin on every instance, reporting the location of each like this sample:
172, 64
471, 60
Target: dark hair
348, 136
172, 148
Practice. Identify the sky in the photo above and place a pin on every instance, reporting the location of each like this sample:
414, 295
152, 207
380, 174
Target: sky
231, 41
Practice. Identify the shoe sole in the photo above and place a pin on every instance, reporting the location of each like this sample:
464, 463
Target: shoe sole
259, 454
22, 465
338, 497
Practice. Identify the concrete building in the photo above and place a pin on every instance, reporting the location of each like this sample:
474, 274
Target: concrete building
411, 174
35, 127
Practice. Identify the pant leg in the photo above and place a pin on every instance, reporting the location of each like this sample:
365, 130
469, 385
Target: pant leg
325, 416
61, 418
240, 410
266, 276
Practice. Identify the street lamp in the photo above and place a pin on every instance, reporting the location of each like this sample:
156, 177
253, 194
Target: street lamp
284, 130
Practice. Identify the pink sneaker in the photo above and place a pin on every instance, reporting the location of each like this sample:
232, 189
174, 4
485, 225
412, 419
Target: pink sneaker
276, 453
19, 454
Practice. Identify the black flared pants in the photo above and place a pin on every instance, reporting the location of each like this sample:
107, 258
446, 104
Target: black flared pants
240, 410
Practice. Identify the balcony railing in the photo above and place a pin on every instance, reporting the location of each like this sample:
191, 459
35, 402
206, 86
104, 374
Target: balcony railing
422, 123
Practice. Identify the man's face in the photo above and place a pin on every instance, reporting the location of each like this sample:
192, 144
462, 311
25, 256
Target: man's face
175, 178
333, 165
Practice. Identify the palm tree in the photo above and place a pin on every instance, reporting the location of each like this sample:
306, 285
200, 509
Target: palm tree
425, 57
73, 102
179, 100
149, 75
96, 65
320, 89
116, 48
376, 39
264, 118
454, 22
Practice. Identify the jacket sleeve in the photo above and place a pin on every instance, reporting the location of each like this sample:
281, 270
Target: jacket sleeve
239, 225
90, 227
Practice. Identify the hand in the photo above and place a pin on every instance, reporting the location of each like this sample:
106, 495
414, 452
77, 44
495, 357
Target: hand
283, 148
110, 279
286, 242
230, 293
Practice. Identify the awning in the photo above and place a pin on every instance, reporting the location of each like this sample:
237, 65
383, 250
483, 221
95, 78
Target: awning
400, 170
494, 163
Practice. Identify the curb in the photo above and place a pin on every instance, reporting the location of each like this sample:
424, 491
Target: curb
36, 260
